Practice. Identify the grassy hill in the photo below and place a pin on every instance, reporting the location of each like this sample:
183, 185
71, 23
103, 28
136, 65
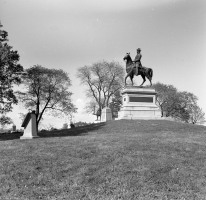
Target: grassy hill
116, 160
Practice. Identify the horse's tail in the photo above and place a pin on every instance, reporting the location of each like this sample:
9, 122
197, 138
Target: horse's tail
151, 73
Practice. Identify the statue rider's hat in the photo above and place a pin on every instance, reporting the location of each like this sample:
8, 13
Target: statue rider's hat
138, 49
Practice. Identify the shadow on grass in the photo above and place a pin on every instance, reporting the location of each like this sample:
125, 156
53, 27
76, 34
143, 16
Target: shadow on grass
77, 131
10, 136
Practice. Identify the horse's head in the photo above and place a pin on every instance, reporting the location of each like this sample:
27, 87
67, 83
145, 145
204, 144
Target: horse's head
127, 57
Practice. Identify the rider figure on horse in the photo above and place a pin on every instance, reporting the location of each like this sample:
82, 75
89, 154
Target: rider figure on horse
137, 60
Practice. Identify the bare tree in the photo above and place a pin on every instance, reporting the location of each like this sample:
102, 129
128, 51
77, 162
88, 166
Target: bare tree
103, 80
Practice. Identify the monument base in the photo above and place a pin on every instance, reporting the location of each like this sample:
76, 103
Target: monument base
106, 114
139, 103
30, 127
27, 138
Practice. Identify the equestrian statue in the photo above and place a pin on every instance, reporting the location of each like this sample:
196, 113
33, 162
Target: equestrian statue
135, 68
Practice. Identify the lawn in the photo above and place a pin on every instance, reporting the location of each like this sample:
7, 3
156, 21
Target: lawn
117, 160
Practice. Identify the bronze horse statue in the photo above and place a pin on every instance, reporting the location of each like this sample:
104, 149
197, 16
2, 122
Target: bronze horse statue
131, 69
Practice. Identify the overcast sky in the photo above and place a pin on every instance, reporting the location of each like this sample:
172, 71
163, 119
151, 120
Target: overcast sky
69, 34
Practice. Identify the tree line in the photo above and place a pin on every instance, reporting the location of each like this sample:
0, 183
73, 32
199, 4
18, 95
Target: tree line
47, 90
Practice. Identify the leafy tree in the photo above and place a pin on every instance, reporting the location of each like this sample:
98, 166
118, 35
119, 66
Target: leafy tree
195, 112
5, 120
171, 102
10, 74
46, 90
179, 105
176, 107
103, 80
196, 115
164, 96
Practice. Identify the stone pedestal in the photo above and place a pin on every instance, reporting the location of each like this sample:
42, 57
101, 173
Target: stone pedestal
13, 129
30, 128
106, 114
139, 103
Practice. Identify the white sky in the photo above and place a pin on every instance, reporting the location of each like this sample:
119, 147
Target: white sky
69, 34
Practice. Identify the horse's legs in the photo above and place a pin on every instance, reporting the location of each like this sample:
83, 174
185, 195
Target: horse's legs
125, 79
131, 78
143, 77
150, 80
150, 74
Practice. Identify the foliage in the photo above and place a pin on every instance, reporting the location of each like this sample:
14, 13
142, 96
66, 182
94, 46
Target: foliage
179, 105
92, 107
5, 120
164, 94
10, 74
103, 80
176, 107
78, 124
116, 103
46, 90
196, 114
72, 125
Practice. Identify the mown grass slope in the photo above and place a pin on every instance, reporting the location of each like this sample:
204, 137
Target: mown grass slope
123, 159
